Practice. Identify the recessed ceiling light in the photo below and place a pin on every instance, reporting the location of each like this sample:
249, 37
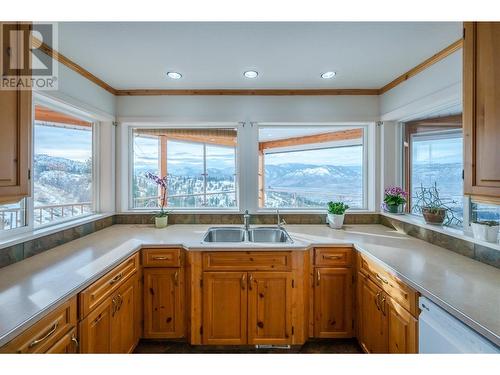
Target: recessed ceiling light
174, 75
328, 75
251, 74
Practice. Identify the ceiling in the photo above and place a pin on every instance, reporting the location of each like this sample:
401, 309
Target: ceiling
214, 55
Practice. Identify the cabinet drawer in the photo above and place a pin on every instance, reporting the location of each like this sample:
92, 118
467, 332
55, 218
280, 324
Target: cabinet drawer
247, 261
44, 334
161, 257
332, 256
106, 285
68, 344
395, 288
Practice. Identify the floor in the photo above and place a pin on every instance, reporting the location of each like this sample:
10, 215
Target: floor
334, 346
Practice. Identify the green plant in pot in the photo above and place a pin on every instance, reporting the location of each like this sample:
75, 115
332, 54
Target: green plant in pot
161, 217
394, 200
336, 214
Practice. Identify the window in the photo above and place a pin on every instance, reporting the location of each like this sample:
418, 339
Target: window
13, 216
484, 211
435, 159
200, 165
62, 167
308, 166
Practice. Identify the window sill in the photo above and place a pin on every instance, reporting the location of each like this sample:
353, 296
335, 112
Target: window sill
40, 232
453, 232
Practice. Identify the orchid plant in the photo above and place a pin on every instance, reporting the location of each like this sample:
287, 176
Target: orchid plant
394, 196
162, 184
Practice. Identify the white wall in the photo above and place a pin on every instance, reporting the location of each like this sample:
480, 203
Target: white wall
247, 108
433, 90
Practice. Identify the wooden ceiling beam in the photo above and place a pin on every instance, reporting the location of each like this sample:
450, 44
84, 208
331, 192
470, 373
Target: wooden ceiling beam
341, 135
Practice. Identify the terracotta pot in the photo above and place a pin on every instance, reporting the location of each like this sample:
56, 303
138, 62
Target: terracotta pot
434, 215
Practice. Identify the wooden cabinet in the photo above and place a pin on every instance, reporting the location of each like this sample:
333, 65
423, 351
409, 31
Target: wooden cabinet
49, 334
372, 329
253, 305
481, 103
269, 307
15, 122
163, 303
333, 303
386, 311
111, 327
225, 308
111, 312
332, 293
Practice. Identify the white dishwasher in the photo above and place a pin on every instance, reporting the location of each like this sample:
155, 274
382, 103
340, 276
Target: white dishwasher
440, 332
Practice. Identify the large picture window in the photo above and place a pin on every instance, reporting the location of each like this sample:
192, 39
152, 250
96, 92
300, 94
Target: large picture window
200, 165
305, 167
435, 160
62, 167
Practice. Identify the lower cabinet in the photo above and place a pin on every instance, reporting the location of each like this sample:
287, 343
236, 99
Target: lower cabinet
333, 303
247, 308
384, 326
163, 303
112, 326
68, 344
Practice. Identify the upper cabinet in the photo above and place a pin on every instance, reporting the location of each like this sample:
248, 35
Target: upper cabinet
15, 117
481, 112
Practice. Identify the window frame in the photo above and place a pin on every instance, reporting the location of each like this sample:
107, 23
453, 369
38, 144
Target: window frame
437, 124
369, 178
74, 111
129, 131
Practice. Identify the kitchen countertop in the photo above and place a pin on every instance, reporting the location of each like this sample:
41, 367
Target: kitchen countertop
467, 289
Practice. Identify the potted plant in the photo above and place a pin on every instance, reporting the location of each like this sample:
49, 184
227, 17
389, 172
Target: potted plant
486, 230
336, 214
161, 217
434, 209
394, 200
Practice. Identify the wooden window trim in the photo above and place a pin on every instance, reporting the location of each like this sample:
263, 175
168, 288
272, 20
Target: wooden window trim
423, 126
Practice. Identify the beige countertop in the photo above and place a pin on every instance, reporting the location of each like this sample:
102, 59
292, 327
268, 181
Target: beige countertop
464, 287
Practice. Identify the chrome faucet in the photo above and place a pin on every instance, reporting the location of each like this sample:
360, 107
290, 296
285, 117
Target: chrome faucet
280, 222
246, 220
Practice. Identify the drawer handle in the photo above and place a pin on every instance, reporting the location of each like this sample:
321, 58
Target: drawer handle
382, 279
50, 333
332, 257
318, 277
176, 278
160, 258
382, 305
116, 279
250, 281
377, 302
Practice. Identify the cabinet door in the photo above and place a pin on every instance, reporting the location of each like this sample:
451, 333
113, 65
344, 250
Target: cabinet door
124, 318
224, 308
481, 114
68, 344
402, 328
95, 329
372, 322
163, 303
269, 308
333, 303
15, 122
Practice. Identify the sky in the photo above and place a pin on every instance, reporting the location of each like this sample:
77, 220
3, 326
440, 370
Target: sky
437, 151
63, 142
342, 156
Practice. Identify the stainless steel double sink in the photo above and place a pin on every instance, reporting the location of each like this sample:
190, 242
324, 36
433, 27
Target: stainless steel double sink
258, 234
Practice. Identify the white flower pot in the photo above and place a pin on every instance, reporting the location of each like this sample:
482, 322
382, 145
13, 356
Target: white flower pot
485, 232
161, 222
336, 221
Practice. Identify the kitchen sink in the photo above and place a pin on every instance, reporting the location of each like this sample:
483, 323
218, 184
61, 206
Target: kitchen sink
225, 235
266, 234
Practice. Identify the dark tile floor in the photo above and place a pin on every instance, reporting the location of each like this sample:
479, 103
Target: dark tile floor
334, 346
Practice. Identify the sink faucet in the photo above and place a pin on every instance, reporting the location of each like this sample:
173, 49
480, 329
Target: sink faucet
246, 220
280, 222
